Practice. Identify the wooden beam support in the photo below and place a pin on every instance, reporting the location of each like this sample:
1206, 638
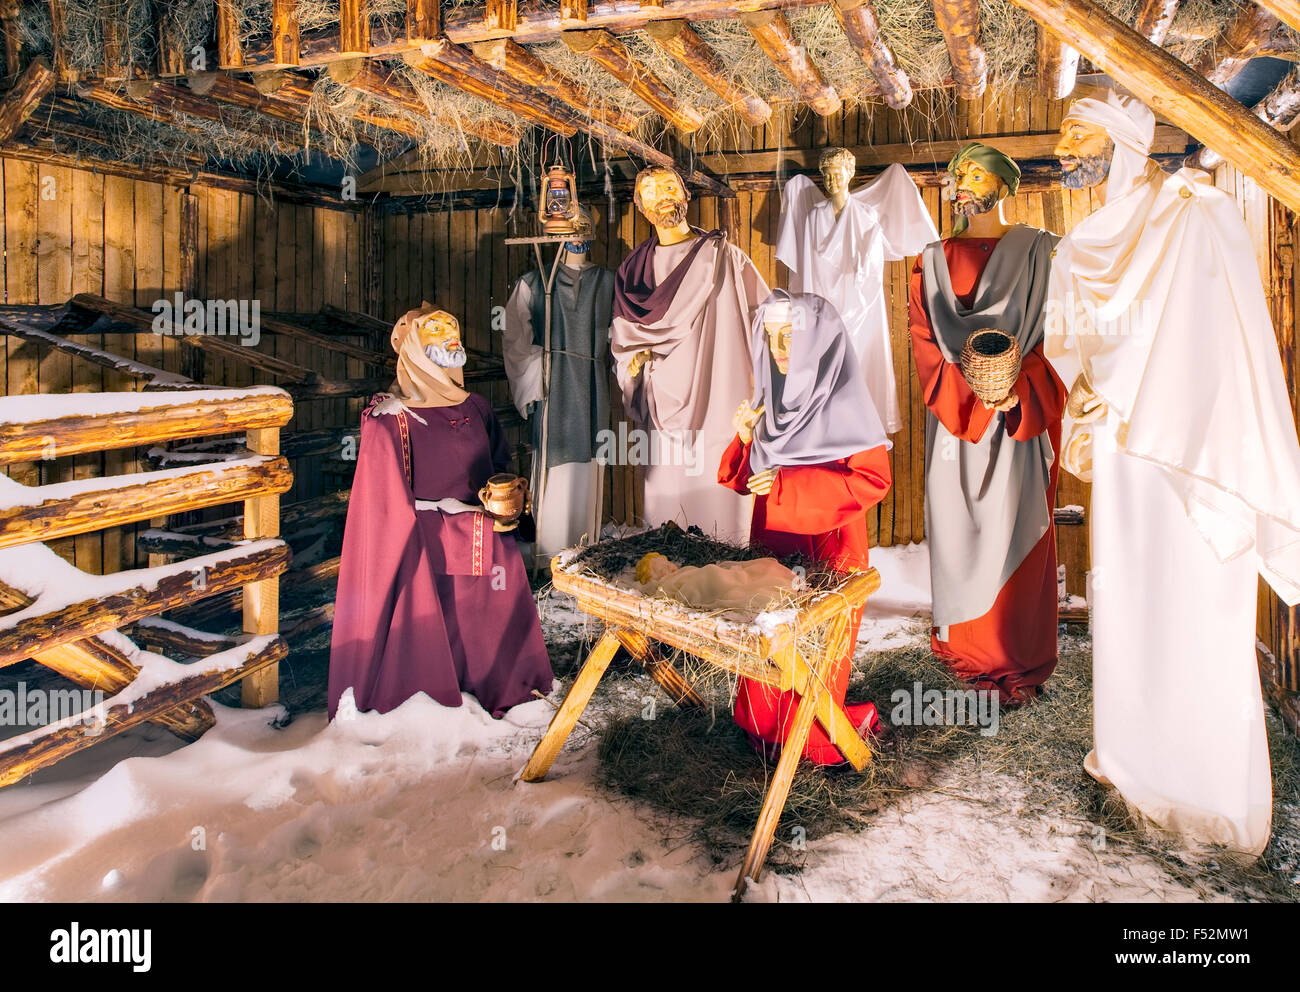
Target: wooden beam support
680, 40
1279, 110
423, 20
501, 15
1239, 42
858, 18
612, 56
959, 20
772, 31
461, 68
1154, 18
230, 46
1177, 92
354, 27
112, 30
1058, 66
261, 599
35, 83
520, 63
171, 46
285, 34
573, 13
370, 78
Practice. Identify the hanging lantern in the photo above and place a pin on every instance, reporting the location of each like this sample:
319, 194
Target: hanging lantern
559, 201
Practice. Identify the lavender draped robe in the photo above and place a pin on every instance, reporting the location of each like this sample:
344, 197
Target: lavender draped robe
429, 601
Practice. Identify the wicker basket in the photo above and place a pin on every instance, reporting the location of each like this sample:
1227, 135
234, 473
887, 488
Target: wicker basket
990, 361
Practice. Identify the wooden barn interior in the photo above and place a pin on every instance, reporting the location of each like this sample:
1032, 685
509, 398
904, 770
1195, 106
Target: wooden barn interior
338, 163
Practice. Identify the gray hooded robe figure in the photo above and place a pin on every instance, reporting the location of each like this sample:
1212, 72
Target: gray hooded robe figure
984, 502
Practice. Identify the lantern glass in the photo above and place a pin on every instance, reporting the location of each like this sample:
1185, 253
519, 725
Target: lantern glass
559, 201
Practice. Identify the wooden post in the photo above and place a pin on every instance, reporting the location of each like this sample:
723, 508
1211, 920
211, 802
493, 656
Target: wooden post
230, 46
171, 46
13, 42
354, 27
57, 32
261, 601
284, 32
112, 30
680, 40
423, 20
1153, 20
501, 15
1176, 91
775, 37
858, 18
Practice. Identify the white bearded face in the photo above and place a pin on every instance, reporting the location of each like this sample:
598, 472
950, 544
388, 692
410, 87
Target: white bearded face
445, 357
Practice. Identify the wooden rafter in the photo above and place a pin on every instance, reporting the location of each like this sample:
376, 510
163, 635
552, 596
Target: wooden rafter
285, 33
858, 18
368, 77
17, 104
772, 31
1286, 11
1279, 110
461, 68
230, 47
959, 20
1154, 19
680, 41
1176, 91
354, 27
1058, 66
1239, 42
612, 56
509, 57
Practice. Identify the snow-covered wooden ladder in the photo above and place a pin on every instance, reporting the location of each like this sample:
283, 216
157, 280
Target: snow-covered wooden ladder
68, 620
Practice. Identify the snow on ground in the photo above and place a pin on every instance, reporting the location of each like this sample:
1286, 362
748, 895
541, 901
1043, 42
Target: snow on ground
422, 803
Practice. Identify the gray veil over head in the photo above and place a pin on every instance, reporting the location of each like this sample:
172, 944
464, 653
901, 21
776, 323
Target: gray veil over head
820, 411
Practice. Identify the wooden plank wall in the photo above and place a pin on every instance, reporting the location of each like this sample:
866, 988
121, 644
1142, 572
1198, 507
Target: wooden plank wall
70, 231
459, 257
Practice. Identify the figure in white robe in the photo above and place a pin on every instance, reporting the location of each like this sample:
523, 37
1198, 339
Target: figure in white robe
1183, 424
837, 247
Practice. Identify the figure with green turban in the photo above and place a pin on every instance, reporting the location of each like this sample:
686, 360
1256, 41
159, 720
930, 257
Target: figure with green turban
990, 461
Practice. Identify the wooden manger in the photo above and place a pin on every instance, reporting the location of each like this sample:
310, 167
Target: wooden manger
69, 620
777, 654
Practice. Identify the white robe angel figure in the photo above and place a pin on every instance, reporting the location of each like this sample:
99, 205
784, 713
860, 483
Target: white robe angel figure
836, 246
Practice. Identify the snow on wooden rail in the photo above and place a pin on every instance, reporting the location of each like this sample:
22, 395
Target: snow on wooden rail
69, 620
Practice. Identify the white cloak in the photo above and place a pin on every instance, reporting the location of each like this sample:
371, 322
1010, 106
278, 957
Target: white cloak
843, 259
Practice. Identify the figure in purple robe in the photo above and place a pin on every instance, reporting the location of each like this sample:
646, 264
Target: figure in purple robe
431, 598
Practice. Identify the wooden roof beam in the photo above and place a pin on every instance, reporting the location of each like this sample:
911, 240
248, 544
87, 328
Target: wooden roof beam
365, 75
1286, 11
517, 61
35, 83
1279, 110
461, 68
772, 32
679, 40
1058, 66
1177, 92
612, 56
1239, 42
858, 18
959, 20
1154, 19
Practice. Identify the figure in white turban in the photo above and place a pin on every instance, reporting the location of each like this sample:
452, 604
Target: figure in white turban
837, 245
1182, 422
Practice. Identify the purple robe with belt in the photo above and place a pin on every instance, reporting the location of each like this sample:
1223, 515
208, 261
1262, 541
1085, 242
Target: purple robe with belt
430, 601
